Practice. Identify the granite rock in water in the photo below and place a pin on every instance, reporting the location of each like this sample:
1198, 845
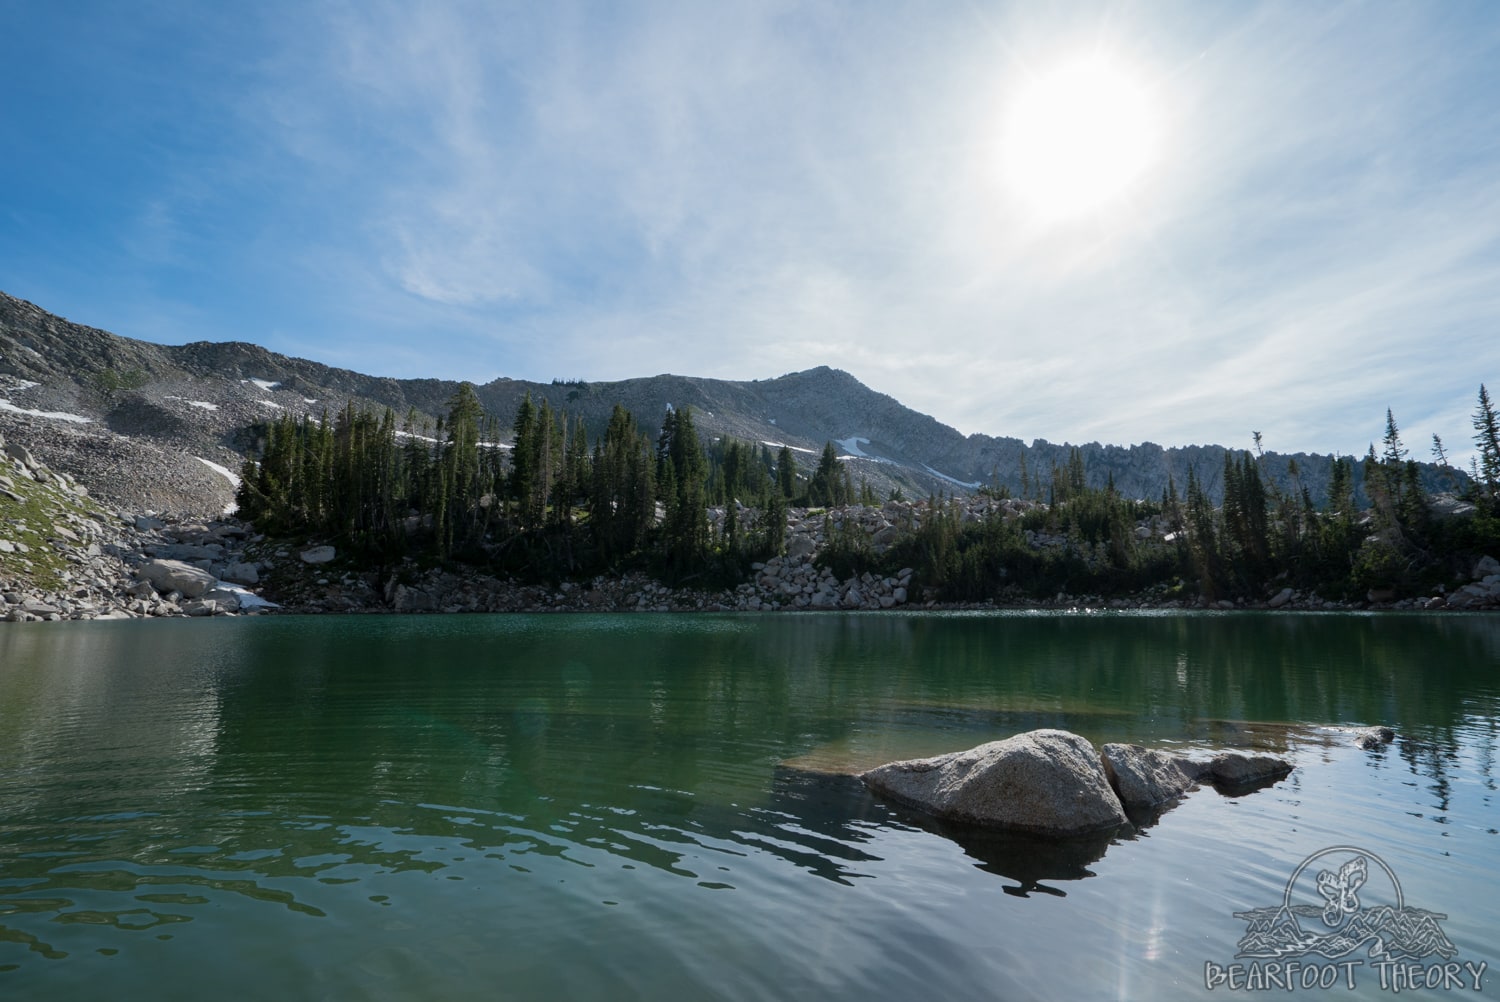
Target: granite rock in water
1046, 781
1239, 769
1145, 777
1373, 737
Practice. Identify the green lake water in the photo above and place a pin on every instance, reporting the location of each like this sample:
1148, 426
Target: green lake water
636, 806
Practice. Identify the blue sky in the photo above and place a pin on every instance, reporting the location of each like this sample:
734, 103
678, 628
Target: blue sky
471, 190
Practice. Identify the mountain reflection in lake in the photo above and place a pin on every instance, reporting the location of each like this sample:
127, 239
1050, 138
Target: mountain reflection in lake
629, 806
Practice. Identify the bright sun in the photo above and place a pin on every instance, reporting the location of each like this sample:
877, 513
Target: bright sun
1079, 137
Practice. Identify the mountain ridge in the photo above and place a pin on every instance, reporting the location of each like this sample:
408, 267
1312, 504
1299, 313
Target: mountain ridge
209, 396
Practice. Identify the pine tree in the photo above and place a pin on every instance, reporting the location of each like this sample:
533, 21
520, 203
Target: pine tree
523, 459
1077, 479
573, 486
1341, 488
786, 473
825, 486
1203, 545
1413, 509
460, 463
1172, 505
683, 472
1487, 445
622, 498
1257, 526
1384, 483
1439, 454
773, 522
1393, 462
1395, 452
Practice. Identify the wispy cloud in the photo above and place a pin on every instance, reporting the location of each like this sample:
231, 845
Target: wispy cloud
740, 189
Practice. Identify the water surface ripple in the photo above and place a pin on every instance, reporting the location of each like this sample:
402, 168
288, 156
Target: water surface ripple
660, 806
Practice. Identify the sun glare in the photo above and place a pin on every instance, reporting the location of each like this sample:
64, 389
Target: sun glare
1078, 138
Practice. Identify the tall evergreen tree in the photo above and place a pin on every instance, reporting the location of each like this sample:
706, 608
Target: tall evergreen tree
786, 473
1487, 446
825, 487
622, 500
773, 522
523, 475
683, 472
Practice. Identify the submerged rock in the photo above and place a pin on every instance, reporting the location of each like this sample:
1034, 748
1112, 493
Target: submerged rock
1046, 781
1373, 737
1145, 777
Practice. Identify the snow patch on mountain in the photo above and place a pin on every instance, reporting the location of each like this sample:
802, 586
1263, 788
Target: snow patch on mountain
201, 404
851, 446
227, 474
952, 480
6, 405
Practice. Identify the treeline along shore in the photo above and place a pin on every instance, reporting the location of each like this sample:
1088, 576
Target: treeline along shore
537, 502
363, 511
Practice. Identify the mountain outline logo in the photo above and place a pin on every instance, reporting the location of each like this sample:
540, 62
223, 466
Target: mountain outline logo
1343, 912
1385, 925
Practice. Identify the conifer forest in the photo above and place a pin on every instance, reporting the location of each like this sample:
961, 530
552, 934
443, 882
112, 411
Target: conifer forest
540, 499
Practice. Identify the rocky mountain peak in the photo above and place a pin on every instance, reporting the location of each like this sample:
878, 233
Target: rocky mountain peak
174, 407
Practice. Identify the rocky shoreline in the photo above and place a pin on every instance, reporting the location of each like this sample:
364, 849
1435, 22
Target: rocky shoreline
66, 556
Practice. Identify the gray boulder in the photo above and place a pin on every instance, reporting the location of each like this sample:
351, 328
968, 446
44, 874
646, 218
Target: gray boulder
801, 546
241, 573
1046, 781
318, 555
174, 575
1373, 737
404, 599
22, 455
224, 598
1447, 506
1239, 769
186, 551
1145, 777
